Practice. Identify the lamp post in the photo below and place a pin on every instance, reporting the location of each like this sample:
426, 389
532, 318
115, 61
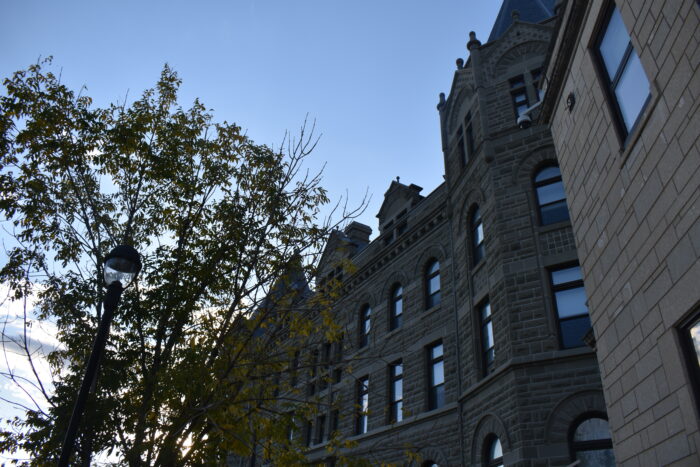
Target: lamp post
122, 264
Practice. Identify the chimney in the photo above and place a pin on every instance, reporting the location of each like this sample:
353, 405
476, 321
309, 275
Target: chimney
358, 232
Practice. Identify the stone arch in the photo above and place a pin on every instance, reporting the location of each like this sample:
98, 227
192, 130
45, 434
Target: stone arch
488, 425
435, 251
567, 411
514, 56
432, 453
391, 280
474, 196
530, 163
462, 100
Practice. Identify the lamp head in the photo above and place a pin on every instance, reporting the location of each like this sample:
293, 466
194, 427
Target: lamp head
524, 121
122, 264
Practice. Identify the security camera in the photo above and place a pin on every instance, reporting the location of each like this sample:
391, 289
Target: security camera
524, 121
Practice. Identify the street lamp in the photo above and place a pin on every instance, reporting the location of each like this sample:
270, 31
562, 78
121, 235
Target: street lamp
122, 264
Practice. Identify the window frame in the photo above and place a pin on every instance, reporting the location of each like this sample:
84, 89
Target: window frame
488, 460
395, 404
395, 319
609, 84
476, 227
547, 182
570, 285
365, 326
691, 355
432, 297
518, 87
486, 322
435, 390
593, 445
362, 411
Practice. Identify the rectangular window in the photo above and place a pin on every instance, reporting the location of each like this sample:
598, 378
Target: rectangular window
690, 334
308, 433
321, 429
396, 392
362, 415
536, 75
519, 95
626, 83
436, 382
365, 325
487, 340
335, 418
570, 304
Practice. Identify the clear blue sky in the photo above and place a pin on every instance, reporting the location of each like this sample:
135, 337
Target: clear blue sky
369, 72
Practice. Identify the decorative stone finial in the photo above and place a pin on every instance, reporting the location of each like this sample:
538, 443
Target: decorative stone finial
473, 41
515, 14
398, 179
441, 102
460, 63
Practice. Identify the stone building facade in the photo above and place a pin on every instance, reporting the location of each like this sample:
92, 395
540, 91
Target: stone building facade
622, 100
466, 320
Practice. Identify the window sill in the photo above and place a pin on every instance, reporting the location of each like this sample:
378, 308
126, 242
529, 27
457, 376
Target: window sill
430, 310
477, 267
391, 333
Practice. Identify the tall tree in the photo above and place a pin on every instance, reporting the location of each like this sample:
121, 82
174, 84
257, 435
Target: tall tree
228, 235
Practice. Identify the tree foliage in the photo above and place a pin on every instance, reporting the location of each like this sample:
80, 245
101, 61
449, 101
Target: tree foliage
202, 341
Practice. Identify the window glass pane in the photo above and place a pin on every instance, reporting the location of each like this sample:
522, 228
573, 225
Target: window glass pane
398, 307
439, 396
550, 193
519, 97
614, 43
398, 389
398, 411
571, 302
434, 267
438, 373
488, 335
485, 310
562, 276
479, 233
572, 330
521, 109
632, 90
695, 335
592, 429
496, 450
490, 355
398, 292
555, 212
517, 81
597, 458
398, 369
436, 352
547, 173
434, 284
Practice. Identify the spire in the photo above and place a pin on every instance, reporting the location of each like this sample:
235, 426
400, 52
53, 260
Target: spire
529, 11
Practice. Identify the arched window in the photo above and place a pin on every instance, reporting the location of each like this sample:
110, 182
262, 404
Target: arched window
477, 236
432, 284
493, 452
396, 307
551, 198
365, 325
590, 442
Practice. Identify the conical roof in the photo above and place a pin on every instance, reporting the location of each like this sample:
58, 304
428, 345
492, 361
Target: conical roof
531, 11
